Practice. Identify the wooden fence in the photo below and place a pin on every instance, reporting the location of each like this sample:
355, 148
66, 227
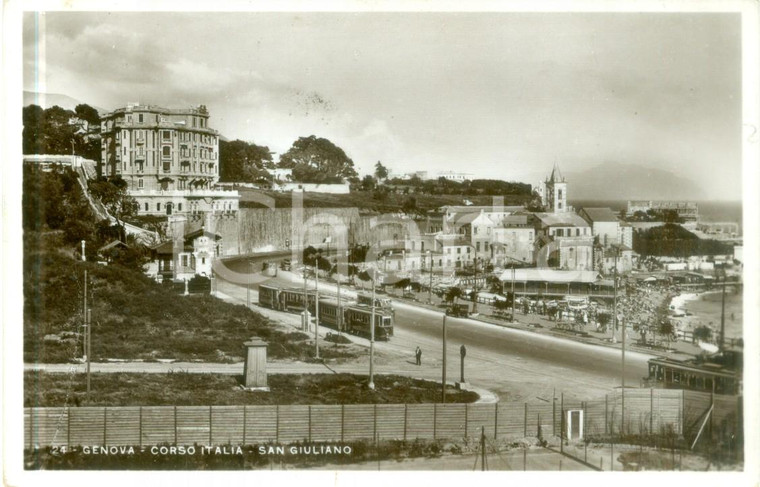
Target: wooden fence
647, 410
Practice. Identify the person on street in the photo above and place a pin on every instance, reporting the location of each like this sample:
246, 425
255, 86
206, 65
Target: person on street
418, 355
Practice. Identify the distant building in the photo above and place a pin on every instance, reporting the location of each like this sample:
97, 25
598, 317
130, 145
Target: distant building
514, 241
553, 192
564, 241
169, 159
688, 210
454, 176
189, 256
719, 229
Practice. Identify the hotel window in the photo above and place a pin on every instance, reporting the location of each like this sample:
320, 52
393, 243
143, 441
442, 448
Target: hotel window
166, 135
140, 118
146, 206
477, 246
166, 151
140, 183
179, 206
129, 118
459, 250
158, 206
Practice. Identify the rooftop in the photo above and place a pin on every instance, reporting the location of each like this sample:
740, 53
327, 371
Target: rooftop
600, 214
566, 219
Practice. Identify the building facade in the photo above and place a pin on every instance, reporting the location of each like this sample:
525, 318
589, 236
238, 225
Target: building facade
688, 210
169, 159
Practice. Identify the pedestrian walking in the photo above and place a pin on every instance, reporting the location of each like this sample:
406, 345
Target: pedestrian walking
418, 355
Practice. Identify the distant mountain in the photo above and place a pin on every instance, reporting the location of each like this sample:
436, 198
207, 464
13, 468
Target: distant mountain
47, 100
616, 181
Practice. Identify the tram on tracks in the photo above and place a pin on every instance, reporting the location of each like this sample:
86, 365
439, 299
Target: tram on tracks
350, 317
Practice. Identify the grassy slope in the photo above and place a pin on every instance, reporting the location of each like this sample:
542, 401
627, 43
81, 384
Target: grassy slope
185, 389
135, 318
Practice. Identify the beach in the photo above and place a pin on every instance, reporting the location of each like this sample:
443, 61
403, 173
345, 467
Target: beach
705, 309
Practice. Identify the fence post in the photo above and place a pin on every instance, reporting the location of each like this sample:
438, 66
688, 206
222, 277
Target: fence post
525, 420
277, 423
374, 424
562, 423
68, 426
554, 416
496, 421
210, 427
31, 429
435, 418
538, 425
651, 411
406, 419
343, 422
310, 421
245, 421
105, 426
175, 425
140, 427
465, 418
606, 415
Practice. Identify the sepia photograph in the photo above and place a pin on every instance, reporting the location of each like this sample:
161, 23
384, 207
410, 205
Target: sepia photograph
350, 238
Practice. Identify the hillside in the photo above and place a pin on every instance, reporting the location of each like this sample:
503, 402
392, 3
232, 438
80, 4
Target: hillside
47, 100
133, 316
619, 181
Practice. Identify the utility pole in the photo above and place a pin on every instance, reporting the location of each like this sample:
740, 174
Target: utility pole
430, 289
614, 298
722, 315
372, 336
339, 316
475, 289
89, 350
622, 383
443, 369
513, 293
316, 310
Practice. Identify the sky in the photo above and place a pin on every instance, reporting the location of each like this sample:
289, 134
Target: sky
498, 95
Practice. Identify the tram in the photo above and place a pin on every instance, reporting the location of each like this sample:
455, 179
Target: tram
366, 300
349, 317
720, 374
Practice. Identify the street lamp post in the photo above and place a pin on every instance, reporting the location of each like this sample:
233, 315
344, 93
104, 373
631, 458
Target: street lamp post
372, 336
316, 309
443, 367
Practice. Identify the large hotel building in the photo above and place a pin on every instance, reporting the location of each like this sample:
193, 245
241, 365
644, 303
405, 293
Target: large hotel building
169, 158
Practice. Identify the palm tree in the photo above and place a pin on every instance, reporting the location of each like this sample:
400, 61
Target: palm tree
452, 294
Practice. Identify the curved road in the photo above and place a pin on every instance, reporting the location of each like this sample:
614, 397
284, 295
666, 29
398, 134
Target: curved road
517, 365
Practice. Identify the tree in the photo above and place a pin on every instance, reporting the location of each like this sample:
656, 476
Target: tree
667, 330
381, 172
368, 183
452, 294
243, 161
88, 114
112, 193
317, 160
410, 205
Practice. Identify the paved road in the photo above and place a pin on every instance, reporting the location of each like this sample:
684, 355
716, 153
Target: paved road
517, 365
